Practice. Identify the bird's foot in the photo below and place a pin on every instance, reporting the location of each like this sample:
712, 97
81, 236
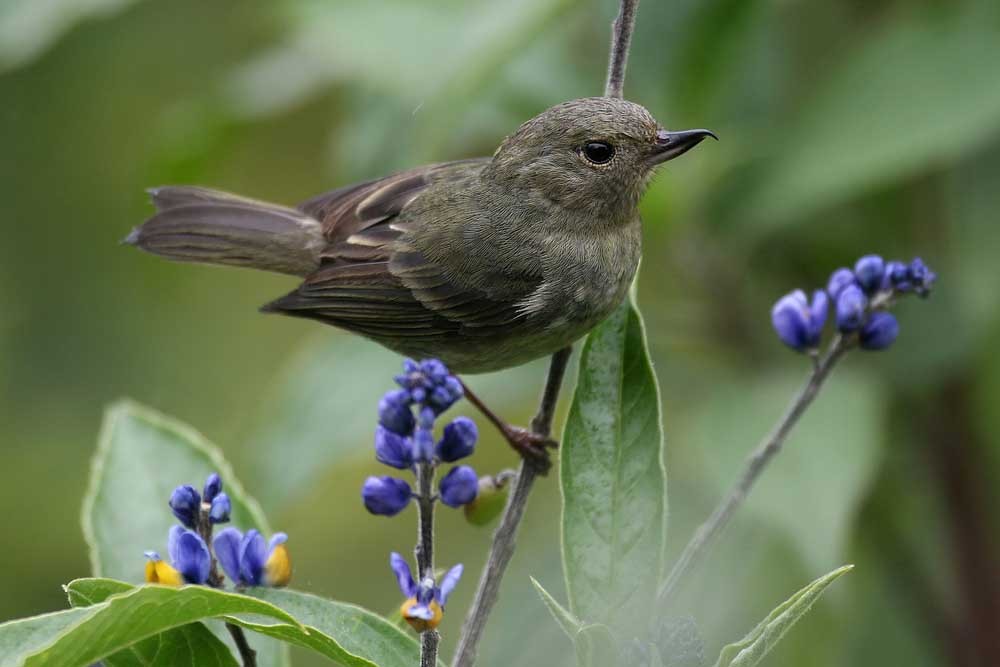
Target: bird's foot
533, 447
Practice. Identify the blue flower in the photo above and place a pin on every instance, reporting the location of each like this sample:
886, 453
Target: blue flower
386, 496
897, 277
921, 276
213, 486
879, 332
250, 561
220, 509
393, 449
869, 271
459, 487
840, 279
394, 412
423, 445
185, 504
425, 602
458, 441
189, 558
798, 323
430, 383
852, 305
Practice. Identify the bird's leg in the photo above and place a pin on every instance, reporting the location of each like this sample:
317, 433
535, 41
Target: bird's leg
533, 447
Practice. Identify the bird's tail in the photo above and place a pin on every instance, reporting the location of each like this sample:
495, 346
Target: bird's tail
200, 225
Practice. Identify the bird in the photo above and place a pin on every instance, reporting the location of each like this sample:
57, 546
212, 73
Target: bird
483, 263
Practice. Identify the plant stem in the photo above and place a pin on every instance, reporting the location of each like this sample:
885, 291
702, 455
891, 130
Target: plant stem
424, 551
215, 580
621, 40
504, 539
710, 530
247, 654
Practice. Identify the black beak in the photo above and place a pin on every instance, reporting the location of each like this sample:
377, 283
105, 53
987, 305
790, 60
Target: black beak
673, 144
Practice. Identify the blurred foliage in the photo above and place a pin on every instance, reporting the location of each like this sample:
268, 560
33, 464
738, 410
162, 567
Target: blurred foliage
847, 127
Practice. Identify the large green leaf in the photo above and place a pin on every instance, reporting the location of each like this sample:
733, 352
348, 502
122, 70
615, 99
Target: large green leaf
143, 612
923, 90
344, 633
751, 649
27, 635
191, 644
141, 456
613, 479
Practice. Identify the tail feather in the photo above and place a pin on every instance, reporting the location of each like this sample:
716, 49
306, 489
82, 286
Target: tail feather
200, 225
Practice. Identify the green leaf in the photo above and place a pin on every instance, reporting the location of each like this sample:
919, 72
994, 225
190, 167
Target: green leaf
141, 456
569, 623
191, 644
27, 635
613, 479
344, 633
751, 649
595, 646
921, 92
146, 611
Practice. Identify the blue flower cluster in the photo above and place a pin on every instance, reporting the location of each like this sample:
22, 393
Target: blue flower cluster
404, 440
247, 559
425, 601
860, 297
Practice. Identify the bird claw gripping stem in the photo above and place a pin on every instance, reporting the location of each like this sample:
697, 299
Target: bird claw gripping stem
533, 447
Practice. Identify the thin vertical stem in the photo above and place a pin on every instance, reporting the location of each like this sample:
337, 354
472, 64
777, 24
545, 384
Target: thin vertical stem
424, 552
215, 580
621, 40
504, 539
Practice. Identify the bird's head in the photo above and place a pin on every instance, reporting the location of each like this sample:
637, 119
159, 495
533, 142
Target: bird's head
594, 155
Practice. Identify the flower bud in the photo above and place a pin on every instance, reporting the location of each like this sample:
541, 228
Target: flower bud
869, 271
879, 332
797, 323
922, 276
840, 279
897, 277
459, 486
488, 504
221, 507
385, 496
185, 504
423, 445
213, 485
394, 412
458, 441
392, 449
851, 305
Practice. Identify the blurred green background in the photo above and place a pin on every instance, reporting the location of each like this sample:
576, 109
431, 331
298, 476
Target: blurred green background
847, 127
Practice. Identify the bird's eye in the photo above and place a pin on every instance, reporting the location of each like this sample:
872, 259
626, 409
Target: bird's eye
598, 152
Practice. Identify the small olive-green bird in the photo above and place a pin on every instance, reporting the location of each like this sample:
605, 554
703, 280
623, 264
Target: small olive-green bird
484, 264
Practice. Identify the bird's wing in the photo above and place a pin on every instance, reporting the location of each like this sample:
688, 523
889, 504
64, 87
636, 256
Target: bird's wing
373, 283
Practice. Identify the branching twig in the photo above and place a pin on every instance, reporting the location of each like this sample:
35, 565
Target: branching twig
709, 531
424, 551
621, 39
503, 540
